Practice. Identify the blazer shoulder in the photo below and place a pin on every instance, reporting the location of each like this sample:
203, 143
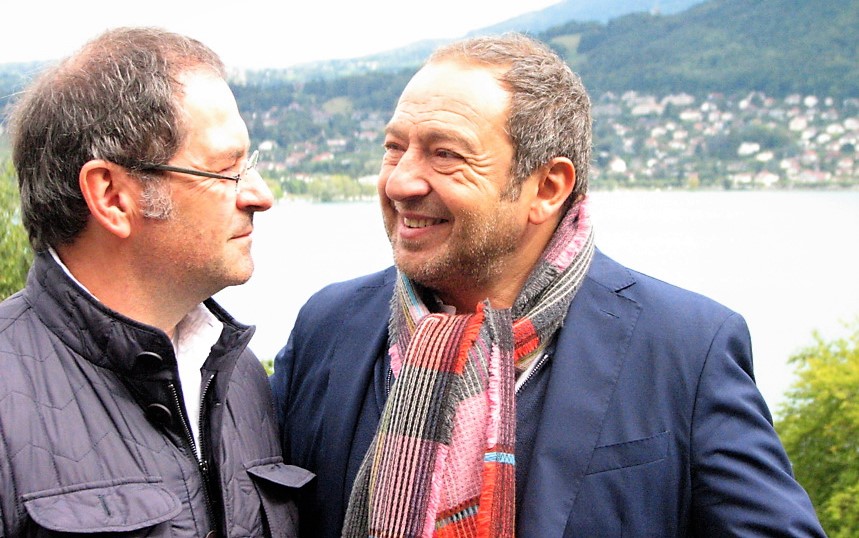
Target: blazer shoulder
364, 297
337, 292
651, 292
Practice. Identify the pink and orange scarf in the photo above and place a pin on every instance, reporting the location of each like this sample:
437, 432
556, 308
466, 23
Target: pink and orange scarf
442, 462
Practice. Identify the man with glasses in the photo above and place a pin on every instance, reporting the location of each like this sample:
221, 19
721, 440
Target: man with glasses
129, 401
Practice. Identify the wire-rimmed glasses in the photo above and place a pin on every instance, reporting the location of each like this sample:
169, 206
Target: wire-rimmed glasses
250, 164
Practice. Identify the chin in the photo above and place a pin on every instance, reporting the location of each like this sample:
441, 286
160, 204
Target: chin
240, 274
426, 275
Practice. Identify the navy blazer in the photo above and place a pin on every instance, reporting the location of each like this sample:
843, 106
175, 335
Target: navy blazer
651, 422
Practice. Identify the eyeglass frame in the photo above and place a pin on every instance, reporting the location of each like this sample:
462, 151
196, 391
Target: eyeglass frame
250, 164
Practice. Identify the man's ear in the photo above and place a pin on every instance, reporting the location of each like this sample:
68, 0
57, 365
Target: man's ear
110, 193
555, 182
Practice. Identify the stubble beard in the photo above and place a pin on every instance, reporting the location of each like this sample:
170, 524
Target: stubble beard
471, 259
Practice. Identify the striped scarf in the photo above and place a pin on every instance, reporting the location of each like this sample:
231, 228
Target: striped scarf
442, 460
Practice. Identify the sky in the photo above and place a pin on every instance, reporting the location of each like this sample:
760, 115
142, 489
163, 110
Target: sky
255, 34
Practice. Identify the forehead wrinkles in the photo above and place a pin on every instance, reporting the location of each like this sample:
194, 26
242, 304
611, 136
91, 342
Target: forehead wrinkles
450, 105
433, 121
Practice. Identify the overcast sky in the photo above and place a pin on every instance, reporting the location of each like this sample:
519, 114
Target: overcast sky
259, 33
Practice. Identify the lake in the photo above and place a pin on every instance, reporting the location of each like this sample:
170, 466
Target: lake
786, 260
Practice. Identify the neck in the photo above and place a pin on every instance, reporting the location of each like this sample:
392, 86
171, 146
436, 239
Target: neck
466, 296
136, 292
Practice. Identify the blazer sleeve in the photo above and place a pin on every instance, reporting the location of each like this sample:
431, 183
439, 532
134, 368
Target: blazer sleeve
741, 477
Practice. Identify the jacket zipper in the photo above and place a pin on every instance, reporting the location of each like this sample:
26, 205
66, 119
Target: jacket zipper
543, 358
189, 438
200, 421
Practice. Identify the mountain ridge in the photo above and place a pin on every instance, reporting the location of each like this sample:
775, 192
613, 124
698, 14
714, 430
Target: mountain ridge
533, 22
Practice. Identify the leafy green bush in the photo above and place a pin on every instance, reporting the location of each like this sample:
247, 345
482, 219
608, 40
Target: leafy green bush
819, 426
15, 253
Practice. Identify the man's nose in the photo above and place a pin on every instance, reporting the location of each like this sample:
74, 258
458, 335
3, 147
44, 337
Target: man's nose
254, 193
407, 179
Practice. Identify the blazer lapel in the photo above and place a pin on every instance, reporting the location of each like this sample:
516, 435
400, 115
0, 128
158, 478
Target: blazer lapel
589, 354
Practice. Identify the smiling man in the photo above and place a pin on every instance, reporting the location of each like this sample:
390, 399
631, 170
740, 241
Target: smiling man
129, 402
506, 377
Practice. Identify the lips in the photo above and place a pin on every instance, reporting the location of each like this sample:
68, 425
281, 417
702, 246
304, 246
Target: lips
245, 233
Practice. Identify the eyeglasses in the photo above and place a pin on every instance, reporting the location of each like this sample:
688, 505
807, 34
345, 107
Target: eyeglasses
250, 164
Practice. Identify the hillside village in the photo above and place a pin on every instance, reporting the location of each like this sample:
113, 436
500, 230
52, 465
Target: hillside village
675, 141
752, 141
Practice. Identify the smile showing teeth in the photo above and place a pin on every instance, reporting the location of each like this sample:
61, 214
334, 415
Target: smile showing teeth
419, 223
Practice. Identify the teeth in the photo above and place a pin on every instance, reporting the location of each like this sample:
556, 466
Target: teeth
419, 223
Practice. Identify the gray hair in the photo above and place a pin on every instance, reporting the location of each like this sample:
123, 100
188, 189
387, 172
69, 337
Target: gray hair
550, 109
116, 99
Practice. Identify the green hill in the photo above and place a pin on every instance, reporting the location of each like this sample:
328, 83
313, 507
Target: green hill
775, 46
778, 47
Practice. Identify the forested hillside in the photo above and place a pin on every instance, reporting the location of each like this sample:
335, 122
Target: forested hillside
777, 47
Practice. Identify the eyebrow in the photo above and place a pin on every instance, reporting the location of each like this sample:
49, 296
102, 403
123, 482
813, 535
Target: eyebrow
237, 154
233, 155
433, 136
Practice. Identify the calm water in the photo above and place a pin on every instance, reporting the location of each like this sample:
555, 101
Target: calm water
787, 261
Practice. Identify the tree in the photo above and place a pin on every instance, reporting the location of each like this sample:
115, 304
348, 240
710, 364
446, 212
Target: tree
819, 426
15, 253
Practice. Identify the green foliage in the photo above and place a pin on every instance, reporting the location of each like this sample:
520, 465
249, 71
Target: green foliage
15, 253
275, 188
819, 426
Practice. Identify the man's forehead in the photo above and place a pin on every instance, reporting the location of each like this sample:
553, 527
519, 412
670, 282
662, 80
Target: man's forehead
454, 77
452, 93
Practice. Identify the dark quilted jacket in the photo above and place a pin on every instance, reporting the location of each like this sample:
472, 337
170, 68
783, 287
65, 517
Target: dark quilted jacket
93, 437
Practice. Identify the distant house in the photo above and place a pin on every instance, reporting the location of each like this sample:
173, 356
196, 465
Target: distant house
798, 124
267, 145
647, 109
336, 144
748, 148
678, 99
765, 178
765, 156
322, 157
691, 115
617, 165
744, 178
813, 176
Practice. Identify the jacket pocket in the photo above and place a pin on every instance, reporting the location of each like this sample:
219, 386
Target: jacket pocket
277, 483
629, 454
106, 507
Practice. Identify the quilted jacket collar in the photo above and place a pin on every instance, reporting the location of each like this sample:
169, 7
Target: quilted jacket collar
107, 338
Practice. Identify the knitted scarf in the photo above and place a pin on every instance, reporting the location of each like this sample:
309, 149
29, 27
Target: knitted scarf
442, 460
